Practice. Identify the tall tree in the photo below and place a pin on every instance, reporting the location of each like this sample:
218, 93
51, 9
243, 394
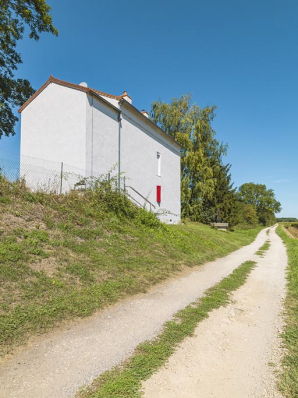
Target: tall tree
201, 154
262, 199
223, 205
15, 15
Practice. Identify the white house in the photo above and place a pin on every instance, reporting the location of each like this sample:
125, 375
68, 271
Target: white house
95, 131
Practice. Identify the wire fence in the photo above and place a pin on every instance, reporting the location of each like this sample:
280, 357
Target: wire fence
52, 177
61, 178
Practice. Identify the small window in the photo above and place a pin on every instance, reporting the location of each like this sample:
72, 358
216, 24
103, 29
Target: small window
158, 157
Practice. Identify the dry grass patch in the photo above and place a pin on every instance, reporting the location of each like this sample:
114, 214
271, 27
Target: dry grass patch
293, 231
47, 265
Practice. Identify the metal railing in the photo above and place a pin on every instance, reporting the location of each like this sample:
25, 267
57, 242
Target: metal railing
143, 197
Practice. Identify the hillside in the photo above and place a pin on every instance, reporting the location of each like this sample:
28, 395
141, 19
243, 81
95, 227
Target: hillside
67, 256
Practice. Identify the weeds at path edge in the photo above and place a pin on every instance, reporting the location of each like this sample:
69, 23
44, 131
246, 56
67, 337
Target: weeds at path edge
289, 377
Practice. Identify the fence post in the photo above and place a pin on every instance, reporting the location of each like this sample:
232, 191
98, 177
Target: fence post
61, 178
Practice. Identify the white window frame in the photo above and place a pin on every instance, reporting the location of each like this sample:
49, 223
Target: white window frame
158, 157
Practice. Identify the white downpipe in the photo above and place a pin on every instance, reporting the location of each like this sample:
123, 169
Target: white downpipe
92, 139
119, 148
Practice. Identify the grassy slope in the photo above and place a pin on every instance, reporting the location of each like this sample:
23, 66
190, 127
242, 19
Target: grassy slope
289, 378
68, 256
292, 228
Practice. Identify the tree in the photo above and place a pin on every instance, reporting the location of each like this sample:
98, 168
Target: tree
15, 15
287, 219
201, 153
262, 199
245, 216
223, 203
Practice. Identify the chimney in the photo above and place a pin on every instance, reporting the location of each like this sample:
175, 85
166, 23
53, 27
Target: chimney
127, 97
145, 113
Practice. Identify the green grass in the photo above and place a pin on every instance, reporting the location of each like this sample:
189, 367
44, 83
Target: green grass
262, 250
289, 378
67, 256
125, 381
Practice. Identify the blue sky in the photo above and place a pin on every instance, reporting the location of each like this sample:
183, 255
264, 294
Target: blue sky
238, 55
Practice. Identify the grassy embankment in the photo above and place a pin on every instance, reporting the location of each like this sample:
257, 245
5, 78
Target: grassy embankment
67, 256
292, 228
289, 377
125, 381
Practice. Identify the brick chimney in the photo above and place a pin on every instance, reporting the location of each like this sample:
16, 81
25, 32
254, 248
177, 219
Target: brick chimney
127, 97
145, 113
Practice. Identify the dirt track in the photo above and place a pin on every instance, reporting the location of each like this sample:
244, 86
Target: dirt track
57, 365
235, 352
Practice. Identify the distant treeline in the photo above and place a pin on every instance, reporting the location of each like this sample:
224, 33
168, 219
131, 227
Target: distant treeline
287, 219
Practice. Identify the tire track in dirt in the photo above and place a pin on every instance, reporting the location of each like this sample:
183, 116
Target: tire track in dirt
236, 351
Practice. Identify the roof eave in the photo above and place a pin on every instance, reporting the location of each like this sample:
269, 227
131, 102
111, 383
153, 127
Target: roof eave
45, 85
94, 93
146, 119
52, 79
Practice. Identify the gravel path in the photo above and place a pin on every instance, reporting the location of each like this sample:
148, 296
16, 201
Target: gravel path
235, 352
58, 364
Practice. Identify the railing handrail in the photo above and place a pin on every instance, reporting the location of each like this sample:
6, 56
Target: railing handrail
148, 201
132, 198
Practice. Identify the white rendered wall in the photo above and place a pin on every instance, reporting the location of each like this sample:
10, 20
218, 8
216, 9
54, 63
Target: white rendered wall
54, 126
53, 130
102, 137
139, 146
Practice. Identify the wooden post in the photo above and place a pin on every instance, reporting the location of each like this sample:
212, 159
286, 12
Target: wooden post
61, 178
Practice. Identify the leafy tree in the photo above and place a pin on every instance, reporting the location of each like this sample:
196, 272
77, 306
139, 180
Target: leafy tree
224, 201
15, 15
245, 216
201, 154
262, 199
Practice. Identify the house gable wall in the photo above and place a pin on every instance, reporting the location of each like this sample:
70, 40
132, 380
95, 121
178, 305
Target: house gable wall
82, 130
54, 126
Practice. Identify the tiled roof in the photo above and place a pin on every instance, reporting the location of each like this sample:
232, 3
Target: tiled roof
96, 92
70, 85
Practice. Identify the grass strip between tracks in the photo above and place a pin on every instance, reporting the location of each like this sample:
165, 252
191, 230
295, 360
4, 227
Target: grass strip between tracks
289, 377
124, 381
263, 249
